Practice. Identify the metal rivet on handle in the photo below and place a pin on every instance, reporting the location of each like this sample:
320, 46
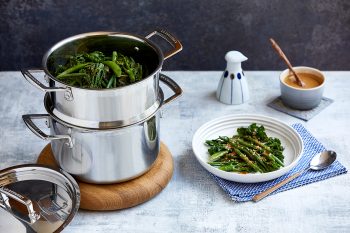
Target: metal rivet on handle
68, 95
47, 122
47, 78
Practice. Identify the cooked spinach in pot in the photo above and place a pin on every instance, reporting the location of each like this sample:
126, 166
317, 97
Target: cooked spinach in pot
98, 71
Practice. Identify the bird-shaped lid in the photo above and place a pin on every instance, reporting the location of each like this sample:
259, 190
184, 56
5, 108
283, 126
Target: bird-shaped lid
235, 56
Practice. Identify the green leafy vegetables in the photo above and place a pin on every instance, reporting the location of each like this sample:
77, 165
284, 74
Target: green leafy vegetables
250, 151
96, 70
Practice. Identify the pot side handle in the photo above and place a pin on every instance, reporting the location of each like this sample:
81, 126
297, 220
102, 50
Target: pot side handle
28, 120
175, 43
27, 74
173, 86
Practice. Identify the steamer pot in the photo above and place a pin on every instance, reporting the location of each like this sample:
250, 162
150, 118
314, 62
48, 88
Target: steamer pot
103, 156
58, 116
106, 108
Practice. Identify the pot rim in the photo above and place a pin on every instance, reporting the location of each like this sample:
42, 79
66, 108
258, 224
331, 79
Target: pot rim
99, 126
102, 33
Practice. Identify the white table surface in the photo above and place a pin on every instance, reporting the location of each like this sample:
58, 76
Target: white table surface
192, 201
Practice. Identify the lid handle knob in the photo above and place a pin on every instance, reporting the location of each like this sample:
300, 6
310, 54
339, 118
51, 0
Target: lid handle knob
6, 194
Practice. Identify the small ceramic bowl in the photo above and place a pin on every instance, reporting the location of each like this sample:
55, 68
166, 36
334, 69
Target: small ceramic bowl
302, 98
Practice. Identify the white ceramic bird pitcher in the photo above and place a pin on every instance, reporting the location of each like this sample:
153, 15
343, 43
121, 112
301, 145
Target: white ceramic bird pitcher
233, 87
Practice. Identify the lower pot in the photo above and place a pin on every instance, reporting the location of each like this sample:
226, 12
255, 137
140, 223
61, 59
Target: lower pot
103, 156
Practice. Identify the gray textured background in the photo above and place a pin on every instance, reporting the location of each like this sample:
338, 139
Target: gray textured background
311, 32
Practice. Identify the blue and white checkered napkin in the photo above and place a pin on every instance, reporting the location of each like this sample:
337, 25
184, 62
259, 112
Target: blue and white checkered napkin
244, 192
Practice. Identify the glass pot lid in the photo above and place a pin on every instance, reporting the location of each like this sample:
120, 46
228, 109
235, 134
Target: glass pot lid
36, 198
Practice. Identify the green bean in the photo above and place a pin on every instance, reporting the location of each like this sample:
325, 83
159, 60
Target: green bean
111, 82
258, 143
255, 157
246, 159
217, 155
114, 56
72, 69
114, 66
246, 152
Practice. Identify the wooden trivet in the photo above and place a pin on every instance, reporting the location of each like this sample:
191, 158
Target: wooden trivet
121, 195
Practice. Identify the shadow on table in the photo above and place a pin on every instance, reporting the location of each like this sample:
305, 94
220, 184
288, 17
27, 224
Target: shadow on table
200, 179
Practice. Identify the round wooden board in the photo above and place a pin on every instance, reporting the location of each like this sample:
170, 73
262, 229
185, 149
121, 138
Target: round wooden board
121, 195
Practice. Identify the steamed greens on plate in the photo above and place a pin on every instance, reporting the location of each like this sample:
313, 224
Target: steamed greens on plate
250, 151
96, 70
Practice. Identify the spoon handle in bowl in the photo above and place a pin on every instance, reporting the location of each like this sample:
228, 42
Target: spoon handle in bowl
285, 59
281, 53
260, 196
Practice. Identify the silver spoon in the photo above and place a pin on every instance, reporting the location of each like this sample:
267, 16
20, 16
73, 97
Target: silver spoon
318, 162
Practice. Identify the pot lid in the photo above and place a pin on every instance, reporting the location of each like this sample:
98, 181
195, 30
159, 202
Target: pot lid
36, 198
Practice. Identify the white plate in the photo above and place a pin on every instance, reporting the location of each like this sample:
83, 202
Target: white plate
227, 126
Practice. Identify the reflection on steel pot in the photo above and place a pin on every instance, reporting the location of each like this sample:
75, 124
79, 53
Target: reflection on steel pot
107, 106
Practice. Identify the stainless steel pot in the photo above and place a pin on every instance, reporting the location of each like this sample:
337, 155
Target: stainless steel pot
116, 107
58, 116
103, 156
